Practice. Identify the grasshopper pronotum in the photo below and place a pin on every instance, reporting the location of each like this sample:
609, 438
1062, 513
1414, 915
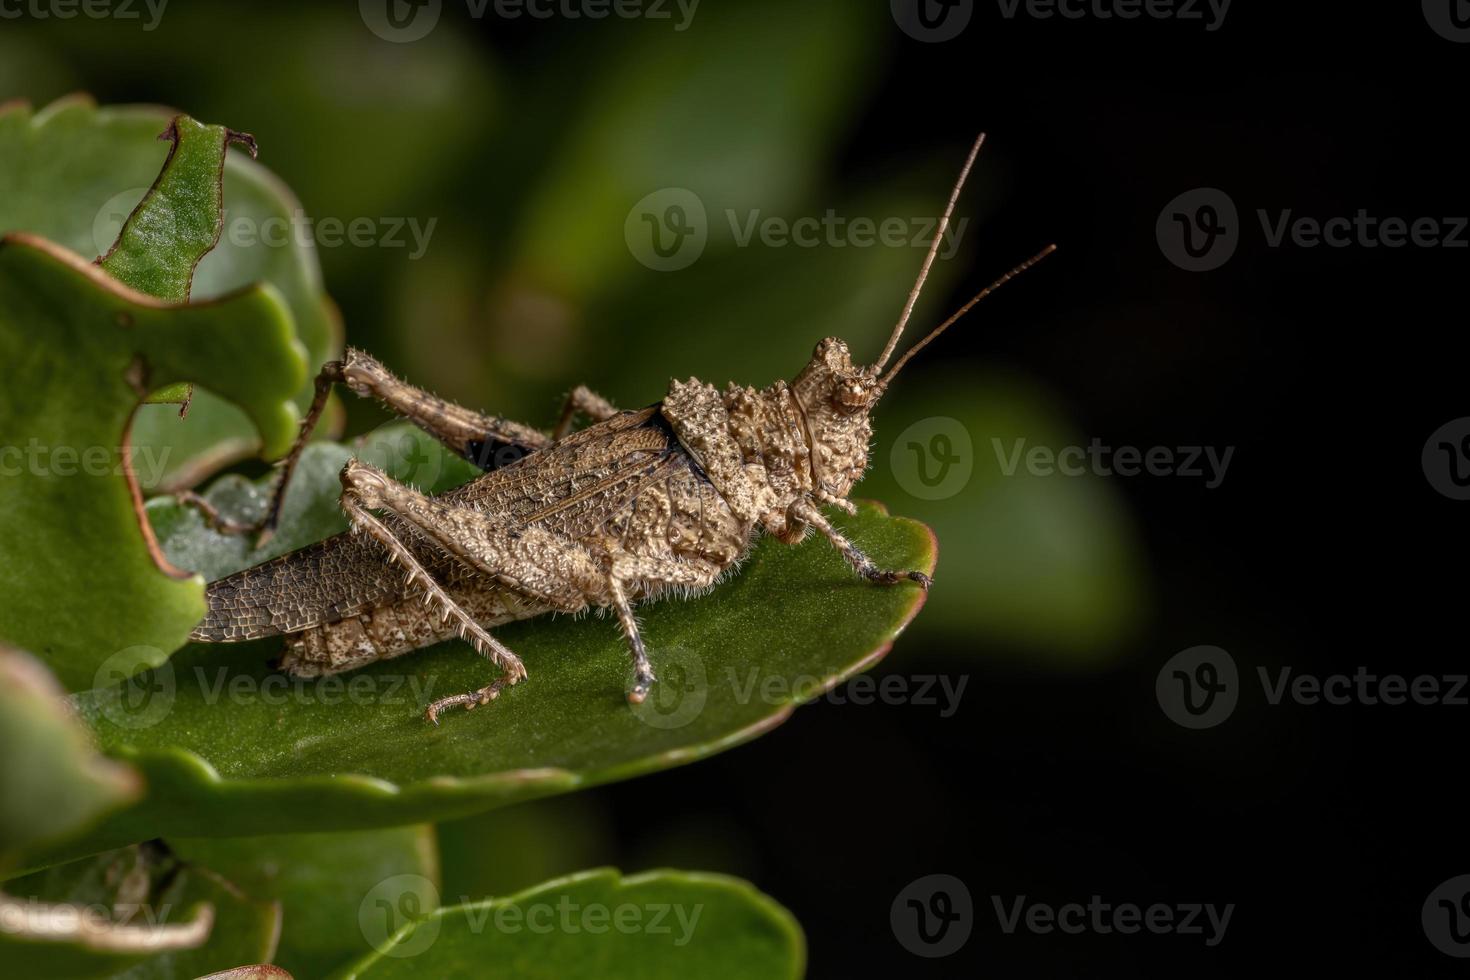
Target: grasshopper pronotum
636, 506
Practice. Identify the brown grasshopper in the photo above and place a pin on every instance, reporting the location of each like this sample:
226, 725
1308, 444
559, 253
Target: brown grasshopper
638, 505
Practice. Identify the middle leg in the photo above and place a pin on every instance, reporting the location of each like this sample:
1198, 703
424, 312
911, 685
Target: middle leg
589, 403
651, 574
536, 563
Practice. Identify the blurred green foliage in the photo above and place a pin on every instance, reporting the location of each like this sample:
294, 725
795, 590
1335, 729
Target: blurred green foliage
145, 888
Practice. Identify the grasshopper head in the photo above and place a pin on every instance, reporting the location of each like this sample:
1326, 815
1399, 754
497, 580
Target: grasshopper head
835, 398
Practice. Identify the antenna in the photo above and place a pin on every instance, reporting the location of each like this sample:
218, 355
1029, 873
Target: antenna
883, 382
908, 307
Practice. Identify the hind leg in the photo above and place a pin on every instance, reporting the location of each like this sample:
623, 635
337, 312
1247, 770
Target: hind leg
485, 440
395, 629
539, 567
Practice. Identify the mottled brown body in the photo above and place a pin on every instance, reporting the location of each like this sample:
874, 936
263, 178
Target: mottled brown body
623, 488
636, 506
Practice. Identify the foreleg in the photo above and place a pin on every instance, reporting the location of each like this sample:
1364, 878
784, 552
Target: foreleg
861, 563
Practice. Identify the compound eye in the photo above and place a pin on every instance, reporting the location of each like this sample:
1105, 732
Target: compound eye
851, 393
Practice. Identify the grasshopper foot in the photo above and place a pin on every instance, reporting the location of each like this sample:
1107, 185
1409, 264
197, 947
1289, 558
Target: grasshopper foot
879, 577
859, 562
266, 529
469, 700
643, 681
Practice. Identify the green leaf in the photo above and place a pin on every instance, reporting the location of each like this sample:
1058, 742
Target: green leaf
180, 219
321, 882
53, 782
79, 351
73, 173
599, 925
142, 894
231, 748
